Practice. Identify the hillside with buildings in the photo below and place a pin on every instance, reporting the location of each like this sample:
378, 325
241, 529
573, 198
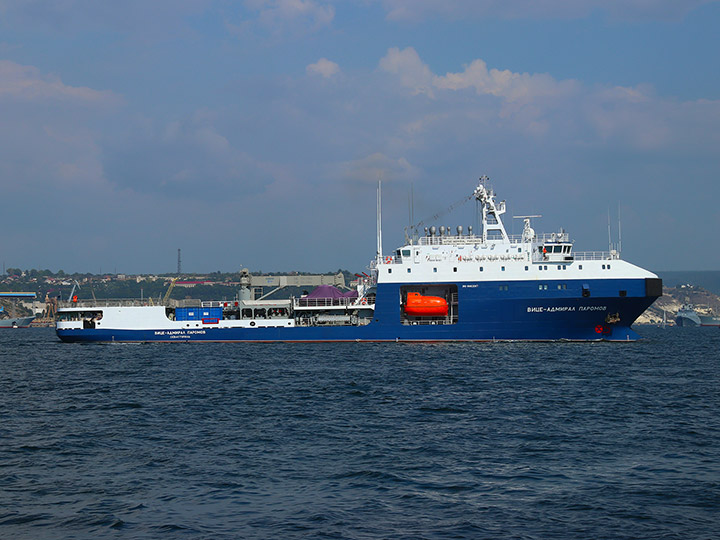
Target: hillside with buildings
666, 307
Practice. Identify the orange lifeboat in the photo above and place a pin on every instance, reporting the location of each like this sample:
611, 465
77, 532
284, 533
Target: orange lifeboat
418, 305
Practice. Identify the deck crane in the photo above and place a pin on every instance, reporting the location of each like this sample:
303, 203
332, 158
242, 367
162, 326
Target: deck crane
167, 294
72, 291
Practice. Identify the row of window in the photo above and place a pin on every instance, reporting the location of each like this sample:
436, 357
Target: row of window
527, 268
554, 249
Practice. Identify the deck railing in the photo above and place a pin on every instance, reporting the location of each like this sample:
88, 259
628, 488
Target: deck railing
472, 239
596, 256
329, 302
107, 302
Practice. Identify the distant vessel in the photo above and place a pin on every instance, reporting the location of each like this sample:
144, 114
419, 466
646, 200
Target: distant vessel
10, 320
16, 322
687, 316
443, 286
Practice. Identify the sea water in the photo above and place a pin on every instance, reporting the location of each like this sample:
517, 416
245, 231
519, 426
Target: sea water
359, 440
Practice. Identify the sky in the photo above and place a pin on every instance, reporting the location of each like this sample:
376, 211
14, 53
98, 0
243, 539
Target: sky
252, 134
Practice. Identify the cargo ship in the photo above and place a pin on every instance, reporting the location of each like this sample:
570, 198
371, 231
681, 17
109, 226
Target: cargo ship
441, 285
688, 316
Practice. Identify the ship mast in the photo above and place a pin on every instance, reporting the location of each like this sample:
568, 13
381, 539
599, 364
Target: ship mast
379, 222
491, 212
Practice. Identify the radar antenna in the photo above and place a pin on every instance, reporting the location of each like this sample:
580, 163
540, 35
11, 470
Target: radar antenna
528, 234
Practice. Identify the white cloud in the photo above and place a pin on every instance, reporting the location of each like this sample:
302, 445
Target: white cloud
538, 106
376, 167
412, 72
514, 88
27, 83
323, 67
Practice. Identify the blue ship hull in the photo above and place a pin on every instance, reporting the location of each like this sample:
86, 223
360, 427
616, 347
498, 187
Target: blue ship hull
602, 309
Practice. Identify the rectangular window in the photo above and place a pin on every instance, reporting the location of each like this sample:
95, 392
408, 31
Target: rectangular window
435, 270
502, 268
481, 268
408, 270
623, 293
526, 268
454, 268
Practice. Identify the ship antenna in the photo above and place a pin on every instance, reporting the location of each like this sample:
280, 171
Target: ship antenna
609, 236
619, 231
379, 221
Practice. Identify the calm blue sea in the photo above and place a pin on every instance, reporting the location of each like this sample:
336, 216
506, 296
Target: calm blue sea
361, 441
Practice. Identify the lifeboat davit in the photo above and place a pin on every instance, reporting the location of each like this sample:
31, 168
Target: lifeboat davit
418, 305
